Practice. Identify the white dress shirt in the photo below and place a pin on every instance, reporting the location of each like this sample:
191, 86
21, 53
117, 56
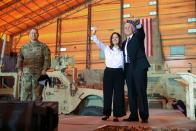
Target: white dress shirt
125, 49
113, 57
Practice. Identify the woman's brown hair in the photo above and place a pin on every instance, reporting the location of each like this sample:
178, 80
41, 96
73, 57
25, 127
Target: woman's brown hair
119, 42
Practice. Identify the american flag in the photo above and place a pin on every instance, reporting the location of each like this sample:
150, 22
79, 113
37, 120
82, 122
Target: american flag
147, 25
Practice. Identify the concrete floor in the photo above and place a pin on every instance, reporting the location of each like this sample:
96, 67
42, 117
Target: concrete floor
159, 119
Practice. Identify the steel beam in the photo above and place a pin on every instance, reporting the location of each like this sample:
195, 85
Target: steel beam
58, 37
63, 14
121, 18
88, 43
8, 4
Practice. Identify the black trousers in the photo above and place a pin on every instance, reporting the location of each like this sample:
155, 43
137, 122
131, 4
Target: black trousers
113, 86
136, 80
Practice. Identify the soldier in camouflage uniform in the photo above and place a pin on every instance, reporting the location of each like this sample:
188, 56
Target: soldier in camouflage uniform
33, 61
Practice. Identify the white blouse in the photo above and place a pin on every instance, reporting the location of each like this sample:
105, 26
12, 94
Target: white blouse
113, 57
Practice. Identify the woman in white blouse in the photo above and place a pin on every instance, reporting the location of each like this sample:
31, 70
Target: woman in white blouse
113, 80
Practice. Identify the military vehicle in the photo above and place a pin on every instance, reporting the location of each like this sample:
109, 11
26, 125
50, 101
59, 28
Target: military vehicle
8, 80
72, 98
163, 88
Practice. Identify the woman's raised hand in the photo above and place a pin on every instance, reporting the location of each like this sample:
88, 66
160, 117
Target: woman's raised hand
93, 30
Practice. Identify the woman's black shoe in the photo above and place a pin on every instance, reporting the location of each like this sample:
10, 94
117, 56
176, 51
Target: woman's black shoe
131, 120
115, 120
144, 120
105, 118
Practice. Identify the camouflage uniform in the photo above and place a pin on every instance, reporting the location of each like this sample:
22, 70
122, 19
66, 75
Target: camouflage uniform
32, 59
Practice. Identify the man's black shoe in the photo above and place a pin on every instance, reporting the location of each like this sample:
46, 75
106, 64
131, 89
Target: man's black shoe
130, 119
115, 120
105, 118
144, 120
127, 119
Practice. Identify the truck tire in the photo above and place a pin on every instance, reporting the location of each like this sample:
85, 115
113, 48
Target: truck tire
91, 111
6, 98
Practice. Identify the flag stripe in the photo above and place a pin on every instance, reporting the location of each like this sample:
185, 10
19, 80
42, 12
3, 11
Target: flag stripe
149, 21
149, 36
151, 47
146, 20
147, 25
142, 22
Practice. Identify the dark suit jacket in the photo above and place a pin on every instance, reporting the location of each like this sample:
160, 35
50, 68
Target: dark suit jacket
136, 50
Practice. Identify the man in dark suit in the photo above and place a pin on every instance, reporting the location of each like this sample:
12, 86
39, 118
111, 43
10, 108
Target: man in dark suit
136, 67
